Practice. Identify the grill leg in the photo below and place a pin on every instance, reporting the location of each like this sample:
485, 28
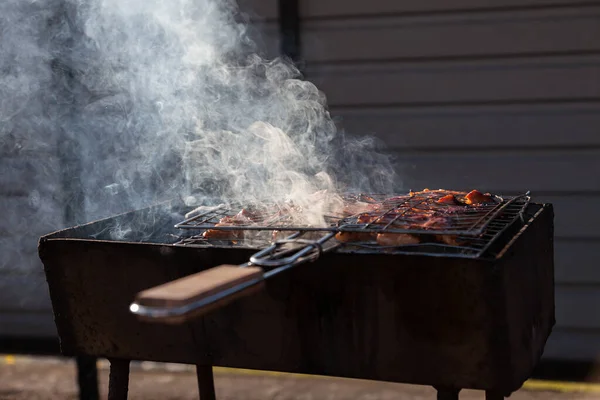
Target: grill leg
447, 394
118, 381
206, 382
489, 395
87, 377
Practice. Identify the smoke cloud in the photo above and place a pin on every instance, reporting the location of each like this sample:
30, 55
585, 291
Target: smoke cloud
115, 105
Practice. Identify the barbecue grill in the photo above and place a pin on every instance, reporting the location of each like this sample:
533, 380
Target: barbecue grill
475, 314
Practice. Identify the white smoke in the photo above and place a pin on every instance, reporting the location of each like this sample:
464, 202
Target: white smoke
152, 99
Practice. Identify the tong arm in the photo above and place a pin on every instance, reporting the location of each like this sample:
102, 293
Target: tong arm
186, 298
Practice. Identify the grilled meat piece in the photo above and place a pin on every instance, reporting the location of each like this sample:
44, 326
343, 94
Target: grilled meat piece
423, 222
248, 215
376, 218
435, 192
476, 197
450, 240
367, 198
359, 207
396, 199
396, 239
397, 216
244, 217
348, 237
278, 235
218, 234
449, 199
438, 222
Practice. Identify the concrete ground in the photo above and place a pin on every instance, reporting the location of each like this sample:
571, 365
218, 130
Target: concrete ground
27, 378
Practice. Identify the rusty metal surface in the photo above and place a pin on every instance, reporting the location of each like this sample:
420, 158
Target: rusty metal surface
460, 323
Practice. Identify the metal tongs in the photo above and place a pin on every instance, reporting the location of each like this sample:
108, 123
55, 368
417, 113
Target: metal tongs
186, 298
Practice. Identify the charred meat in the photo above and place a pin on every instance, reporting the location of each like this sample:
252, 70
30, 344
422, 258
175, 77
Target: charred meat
427, 211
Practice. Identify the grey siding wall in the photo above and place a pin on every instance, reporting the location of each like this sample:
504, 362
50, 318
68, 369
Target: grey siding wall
31, 206
500, 95
503, 95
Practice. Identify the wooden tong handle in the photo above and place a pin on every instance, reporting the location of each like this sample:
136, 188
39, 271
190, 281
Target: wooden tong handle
193, 293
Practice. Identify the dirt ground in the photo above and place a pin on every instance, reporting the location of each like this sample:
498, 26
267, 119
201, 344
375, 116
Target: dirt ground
25, 378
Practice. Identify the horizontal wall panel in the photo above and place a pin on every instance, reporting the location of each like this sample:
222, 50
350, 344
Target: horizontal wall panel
573, 345
575, 216
24, 293
269, 9
20, 176
476, 126
35, 215
577, 306
530, 80
469, 34
18, 258
261, 9
266, 37
576, 262
341, 8
28, 325
502, 172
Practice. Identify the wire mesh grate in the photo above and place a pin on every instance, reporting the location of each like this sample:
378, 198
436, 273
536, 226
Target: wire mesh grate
412, 213
450, 228
507, 213
464, 246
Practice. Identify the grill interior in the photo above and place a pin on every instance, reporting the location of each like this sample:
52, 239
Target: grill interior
476, 228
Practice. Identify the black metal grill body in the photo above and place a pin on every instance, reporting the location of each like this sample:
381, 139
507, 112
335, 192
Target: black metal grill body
445, 322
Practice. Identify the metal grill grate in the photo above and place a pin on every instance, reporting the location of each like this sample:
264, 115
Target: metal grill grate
473, 228
470, 246
268, 217
410, 214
